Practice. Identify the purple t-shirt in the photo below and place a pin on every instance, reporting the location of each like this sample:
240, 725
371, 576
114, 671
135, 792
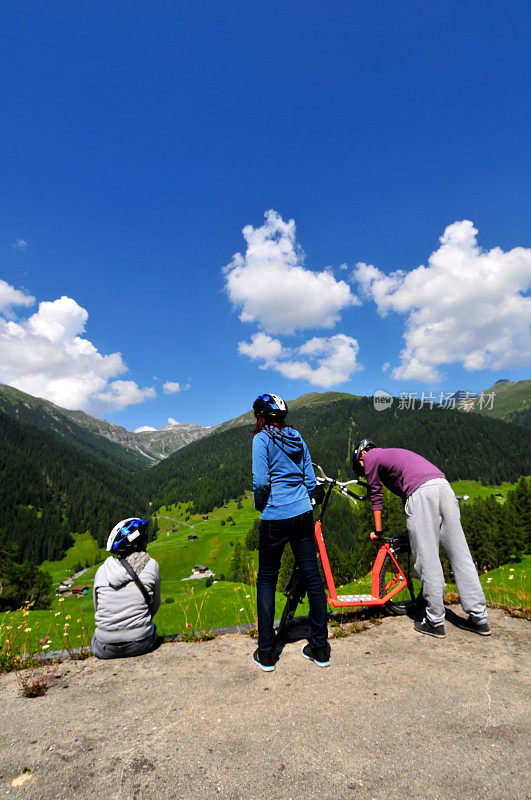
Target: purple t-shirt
401, 471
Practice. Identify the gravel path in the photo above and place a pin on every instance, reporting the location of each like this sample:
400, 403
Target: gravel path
397, 715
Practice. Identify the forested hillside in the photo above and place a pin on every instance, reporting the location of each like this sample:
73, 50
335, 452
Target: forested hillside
122, 449
217, 468
48, 489
511, 401
62, 425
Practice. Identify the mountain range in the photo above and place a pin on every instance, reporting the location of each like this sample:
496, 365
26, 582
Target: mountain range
135, 450
97, 436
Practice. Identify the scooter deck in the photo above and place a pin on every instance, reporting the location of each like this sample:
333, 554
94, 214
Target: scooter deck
353, 599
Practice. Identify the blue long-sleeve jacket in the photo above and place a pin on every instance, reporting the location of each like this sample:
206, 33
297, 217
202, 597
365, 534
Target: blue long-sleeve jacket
283, 475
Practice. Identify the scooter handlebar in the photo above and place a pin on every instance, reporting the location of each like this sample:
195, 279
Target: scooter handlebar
320, 475
322, 478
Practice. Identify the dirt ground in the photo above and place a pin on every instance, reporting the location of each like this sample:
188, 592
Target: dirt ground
396, 715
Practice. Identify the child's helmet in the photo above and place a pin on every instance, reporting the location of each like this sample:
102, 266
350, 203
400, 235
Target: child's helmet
365, 444
270, 406
124, 534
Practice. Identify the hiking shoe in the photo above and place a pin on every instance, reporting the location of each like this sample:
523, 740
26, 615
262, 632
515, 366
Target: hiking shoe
432, 630
320, 655
265, 659
470, 624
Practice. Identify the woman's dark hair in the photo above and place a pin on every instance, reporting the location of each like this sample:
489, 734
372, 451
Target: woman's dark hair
263, 423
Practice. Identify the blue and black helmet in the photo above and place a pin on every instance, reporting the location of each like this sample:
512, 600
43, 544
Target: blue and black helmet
270, 406
125, 533
364, 444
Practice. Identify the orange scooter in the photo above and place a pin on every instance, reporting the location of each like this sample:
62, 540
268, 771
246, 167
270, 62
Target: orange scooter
388, 576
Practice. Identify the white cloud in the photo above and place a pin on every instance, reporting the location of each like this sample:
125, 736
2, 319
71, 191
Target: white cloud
272, 287
467, 306
145, 429
321, 361
119, 394
19, 244
386, 366
261, 346
58, 321
9, 297
172, 421
46, 355
172, 387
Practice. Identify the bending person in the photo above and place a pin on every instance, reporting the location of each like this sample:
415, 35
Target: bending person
126, 594
433, 518
283, 479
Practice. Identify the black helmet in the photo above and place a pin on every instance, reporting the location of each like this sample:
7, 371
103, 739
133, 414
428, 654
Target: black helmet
365, 444
270, 406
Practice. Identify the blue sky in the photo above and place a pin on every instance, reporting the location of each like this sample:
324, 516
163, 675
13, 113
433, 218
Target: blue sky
139, 139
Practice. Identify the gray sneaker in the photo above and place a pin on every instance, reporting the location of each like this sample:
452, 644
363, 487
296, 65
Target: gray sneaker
470, 624
432, 630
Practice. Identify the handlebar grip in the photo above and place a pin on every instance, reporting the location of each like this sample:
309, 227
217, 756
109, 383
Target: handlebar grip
356, 496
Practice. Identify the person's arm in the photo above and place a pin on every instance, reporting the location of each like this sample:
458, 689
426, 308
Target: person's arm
309, 474
375, 492
155, 603
95, 590
261, 477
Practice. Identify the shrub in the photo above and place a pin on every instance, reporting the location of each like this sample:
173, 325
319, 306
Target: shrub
35, 688
170, 600
189, 635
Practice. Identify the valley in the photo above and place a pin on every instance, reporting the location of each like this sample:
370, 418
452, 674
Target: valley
192, 605
61, 490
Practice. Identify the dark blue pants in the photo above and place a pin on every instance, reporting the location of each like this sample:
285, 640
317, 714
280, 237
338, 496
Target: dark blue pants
125, 649
274, 535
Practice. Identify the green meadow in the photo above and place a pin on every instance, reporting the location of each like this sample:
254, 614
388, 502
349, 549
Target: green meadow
476, 489
509, 584
186, 604
84, 552
189, 605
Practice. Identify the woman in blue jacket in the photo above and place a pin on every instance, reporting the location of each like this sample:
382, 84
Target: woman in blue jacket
283, 479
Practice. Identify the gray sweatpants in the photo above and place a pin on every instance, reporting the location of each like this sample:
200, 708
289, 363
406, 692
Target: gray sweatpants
433, 519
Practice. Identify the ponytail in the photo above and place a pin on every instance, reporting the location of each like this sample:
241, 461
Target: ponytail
262, 422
